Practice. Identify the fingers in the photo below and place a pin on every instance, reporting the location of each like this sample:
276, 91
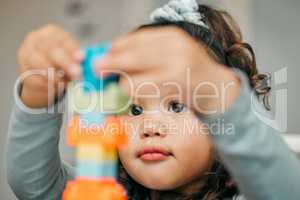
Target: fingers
48, 59
138, 85
141, 50
41, 67
61, 53
126, 54
79, 56
124, 62
57, 48
31, 57
62, 60
73, 48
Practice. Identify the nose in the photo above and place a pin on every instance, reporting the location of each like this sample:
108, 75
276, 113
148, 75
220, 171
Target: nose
154, 128
152, 134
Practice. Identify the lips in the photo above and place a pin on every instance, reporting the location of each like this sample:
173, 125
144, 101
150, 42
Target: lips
153, 154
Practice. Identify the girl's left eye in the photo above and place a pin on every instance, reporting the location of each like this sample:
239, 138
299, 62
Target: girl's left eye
135, 110
176, 107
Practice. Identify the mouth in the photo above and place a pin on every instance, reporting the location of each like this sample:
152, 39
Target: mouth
153, 154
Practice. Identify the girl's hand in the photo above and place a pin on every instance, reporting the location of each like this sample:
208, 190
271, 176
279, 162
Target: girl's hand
47, 48
177, 64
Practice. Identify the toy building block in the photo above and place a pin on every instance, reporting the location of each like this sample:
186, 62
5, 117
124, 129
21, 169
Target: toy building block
110, 134
105, 189
95, 134
111, 100
91, 81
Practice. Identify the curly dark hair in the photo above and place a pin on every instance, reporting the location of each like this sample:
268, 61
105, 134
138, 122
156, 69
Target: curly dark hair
219, 185
223, 41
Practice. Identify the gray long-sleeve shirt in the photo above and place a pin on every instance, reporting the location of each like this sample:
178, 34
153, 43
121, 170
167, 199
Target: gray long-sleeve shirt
255, 154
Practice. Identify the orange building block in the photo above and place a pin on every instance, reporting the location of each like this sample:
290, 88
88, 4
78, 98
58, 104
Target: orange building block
106, 189
109, 134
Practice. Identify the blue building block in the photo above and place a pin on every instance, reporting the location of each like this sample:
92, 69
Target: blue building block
92, 169
93, 118
91, 81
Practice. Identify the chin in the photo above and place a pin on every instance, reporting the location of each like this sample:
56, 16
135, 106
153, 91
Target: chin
161, 187
158, 183
158, 186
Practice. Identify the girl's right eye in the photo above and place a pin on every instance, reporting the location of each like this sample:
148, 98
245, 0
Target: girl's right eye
176, 107
135, 110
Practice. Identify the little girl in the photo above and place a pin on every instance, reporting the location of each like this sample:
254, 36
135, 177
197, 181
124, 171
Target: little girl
175, 150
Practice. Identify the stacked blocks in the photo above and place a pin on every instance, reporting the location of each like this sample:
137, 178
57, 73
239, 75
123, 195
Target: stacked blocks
109, 101
91, 81
94, 94
96, 134
94, 163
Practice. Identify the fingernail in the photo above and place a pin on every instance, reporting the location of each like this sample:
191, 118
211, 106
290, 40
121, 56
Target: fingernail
101, 62
98, 66
75, 71
79, 55
105, 74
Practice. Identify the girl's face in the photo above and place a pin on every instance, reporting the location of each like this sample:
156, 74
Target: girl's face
168, 146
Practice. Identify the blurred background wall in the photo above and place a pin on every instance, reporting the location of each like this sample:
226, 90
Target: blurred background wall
271, 26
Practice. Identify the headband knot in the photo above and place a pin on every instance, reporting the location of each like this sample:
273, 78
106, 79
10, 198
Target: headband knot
179, 10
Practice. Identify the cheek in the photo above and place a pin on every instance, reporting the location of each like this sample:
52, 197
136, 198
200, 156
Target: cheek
194, 153
128, 160
127, 153
194, 157
124, 156
193, 148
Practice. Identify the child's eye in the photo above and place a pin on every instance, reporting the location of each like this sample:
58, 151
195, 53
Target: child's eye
135, 110
176, 107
